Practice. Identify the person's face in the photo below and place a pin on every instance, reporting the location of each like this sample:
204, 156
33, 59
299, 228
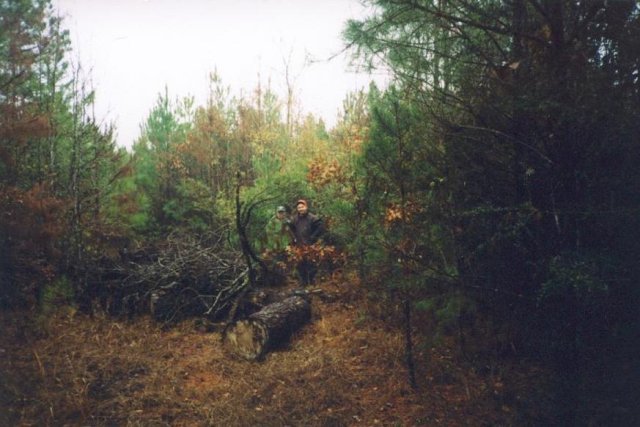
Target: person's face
302, 209
280, 214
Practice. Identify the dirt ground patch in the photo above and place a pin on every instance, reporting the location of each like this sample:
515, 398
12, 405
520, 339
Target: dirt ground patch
342, 369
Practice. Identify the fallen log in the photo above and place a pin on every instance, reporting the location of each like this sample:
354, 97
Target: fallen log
254, 336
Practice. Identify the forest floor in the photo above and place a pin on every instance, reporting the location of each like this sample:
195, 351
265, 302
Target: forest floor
345, 368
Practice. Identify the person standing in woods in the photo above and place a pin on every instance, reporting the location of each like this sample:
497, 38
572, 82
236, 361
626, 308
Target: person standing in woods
279, 234
307, 229
278, 238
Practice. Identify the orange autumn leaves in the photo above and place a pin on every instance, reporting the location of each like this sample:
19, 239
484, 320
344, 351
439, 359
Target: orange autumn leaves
326, 256
323, 172
396, 213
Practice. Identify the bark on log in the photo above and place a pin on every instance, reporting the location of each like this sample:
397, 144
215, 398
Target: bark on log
253, 337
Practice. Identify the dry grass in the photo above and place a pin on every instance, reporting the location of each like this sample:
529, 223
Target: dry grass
337, 371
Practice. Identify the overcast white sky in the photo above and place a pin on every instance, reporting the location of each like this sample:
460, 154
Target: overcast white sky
135, 47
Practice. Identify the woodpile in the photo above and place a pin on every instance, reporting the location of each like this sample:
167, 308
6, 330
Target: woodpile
185, 276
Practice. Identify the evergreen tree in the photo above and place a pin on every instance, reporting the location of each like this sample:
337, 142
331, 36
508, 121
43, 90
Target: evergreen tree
530, 117
55, 161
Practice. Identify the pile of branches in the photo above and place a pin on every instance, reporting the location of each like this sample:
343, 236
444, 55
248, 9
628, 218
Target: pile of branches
182, 277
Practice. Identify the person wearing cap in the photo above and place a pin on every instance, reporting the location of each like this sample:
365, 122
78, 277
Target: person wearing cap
307, 230
279, 235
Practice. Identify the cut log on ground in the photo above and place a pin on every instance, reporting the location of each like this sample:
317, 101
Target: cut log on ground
254, 336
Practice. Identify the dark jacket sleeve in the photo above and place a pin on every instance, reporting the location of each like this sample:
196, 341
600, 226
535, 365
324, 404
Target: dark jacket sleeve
317, 229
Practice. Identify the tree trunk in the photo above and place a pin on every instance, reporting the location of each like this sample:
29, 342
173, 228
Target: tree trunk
253, 337
408, 345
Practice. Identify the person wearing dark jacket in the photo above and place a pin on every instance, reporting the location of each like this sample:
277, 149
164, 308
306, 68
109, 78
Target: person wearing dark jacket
307, 229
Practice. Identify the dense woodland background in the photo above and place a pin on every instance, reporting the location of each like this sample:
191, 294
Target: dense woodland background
491, 191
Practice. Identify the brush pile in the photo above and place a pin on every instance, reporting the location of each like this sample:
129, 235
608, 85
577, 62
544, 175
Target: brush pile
183, 277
